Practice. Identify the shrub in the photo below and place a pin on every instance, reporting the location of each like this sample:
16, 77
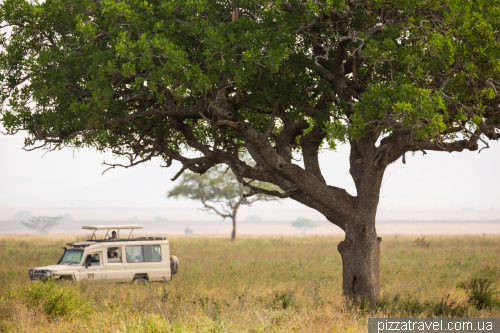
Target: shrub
412, 306
481, 292
56, 299
282, 300
422, 243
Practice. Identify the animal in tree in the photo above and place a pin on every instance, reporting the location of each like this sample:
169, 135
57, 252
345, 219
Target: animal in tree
275, 79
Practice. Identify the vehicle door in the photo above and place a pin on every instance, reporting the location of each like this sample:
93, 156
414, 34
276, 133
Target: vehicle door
115, 267
93, 267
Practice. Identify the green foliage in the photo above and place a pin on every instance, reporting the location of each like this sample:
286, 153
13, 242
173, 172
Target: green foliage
41, 224
411, 306
304, 224
282, 300
407, 104
481, 292
69, 67
56, 299
220, 186
214, 185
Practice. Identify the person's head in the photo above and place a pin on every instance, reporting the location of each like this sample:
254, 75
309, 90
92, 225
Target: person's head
111, 254
113, 234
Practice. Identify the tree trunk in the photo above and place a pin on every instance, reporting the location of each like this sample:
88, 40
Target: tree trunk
360, 249
233, 217
360, 253
233, 233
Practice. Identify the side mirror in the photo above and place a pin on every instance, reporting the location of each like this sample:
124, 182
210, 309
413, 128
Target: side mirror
87, 263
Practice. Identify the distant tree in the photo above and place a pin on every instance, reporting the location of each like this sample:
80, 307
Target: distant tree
22, 215
159, 218
188, 231
41, 224
304, 224
219, 191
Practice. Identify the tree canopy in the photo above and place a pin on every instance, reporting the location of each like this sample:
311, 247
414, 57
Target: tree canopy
41, 224
157, 78
304, 224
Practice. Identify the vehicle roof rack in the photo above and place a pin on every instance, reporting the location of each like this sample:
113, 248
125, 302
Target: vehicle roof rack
104, 227
129, 239
109, 227
81, 244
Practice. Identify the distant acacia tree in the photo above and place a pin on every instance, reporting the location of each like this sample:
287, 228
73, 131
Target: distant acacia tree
304, 224
219, 192
42, 224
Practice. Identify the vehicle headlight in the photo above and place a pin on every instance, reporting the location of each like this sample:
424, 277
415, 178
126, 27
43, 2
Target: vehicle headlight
47, 273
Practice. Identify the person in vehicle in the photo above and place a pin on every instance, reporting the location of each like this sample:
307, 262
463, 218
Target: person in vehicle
113, 236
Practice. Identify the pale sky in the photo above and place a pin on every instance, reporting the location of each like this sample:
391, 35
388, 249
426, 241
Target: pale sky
433, 187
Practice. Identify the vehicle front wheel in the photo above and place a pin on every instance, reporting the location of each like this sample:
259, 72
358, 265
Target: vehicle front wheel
174, 264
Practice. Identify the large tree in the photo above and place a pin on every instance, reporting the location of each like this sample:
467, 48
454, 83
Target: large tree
270, 78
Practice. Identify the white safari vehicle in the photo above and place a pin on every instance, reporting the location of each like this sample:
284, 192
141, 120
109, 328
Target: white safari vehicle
112, 259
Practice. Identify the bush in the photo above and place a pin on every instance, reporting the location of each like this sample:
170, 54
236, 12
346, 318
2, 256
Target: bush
412, 306
481, 292
56, 299
422, 243
282, 300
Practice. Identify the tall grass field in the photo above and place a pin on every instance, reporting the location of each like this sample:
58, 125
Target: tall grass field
256, 284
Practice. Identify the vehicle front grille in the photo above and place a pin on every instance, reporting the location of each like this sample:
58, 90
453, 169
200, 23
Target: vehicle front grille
37, 274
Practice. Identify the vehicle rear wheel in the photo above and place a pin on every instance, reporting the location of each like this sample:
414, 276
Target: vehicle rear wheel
174, 264
140, 280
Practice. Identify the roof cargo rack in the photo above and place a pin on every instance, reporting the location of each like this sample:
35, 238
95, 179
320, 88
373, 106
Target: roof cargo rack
109, 227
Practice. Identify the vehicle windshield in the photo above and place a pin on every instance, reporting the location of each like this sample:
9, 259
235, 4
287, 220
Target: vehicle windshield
72, 257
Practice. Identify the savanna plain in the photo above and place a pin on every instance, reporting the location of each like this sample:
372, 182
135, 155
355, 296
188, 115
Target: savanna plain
256, 284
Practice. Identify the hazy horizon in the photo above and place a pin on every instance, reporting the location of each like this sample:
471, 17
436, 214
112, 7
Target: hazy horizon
437, 186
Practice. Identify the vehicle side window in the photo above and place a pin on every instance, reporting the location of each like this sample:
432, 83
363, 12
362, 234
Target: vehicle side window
134, 254
152, 252
114, 255
143, 253
94, 259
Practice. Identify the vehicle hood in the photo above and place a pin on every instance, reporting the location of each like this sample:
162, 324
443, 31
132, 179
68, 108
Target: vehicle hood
55, 268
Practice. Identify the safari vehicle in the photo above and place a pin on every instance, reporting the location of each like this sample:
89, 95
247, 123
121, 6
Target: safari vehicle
143, 259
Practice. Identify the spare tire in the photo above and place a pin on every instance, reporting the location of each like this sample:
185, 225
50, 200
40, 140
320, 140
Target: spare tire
174, 264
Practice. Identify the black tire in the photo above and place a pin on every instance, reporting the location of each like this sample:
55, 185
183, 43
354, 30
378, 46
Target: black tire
65, 279
174, 264
140, 280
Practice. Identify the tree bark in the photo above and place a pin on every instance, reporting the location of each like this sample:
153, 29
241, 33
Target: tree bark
360, 253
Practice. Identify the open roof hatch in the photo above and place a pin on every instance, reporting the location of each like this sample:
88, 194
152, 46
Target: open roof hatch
109, 227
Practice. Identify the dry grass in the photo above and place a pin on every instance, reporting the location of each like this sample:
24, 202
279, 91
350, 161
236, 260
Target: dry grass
273, 284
